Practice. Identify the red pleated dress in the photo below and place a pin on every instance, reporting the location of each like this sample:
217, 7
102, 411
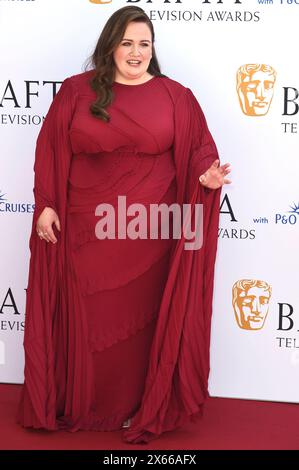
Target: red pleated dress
121, 279
119, 326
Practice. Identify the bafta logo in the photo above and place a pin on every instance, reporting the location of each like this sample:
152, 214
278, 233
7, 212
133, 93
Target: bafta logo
251, 303
100, 2
255, 88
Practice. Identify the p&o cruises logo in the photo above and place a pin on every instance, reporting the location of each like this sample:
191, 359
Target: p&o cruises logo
13, 207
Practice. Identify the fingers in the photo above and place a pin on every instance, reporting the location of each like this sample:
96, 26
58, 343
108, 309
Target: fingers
203, 179
215, 175
50, 235
226, 165
47, 234
215, 163
41, 232
57, 224
226, 168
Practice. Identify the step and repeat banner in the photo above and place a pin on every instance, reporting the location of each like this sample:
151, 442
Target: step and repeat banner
240, 60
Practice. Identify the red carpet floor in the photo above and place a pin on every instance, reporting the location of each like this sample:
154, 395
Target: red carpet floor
227, 424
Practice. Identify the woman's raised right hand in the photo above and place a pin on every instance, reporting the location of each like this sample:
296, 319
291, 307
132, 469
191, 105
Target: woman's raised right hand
44, 225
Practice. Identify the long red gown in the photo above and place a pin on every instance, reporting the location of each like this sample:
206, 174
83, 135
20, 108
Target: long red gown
119, 328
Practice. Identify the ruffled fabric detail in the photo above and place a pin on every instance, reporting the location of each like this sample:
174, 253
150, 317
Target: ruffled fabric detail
109, 321
92, 422
99, 343
119, 271
92, 282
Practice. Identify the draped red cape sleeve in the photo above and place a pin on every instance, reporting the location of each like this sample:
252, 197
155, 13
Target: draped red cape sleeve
50, 292
177, 377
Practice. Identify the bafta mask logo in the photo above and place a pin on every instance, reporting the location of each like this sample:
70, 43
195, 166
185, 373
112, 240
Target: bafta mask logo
251, 303
100, 2
255, 88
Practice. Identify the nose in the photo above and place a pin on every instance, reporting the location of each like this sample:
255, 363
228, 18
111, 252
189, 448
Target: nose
134, 50
260, 91
256, 306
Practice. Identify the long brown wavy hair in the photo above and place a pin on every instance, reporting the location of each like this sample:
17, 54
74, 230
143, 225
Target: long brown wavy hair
102, 58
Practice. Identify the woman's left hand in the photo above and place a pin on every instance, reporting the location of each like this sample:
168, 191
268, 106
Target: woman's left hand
214, 177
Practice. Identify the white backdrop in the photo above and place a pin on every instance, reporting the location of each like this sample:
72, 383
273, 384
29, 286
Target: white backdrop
201, 44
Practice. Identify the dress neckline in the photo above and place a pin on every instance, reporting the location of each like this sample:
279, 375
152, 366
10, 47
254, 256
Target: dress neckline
137, 84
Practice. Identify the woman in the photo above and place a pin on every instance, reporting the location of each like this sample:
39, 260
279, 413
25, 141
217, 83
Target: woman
117, 329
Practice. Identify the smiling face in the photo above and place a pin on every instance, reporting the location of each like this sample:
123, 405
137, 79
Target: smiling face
136, 45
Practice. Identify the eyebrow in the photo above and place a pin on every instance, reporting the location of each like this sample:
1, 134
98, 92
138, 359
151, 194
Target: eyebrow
142, 40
